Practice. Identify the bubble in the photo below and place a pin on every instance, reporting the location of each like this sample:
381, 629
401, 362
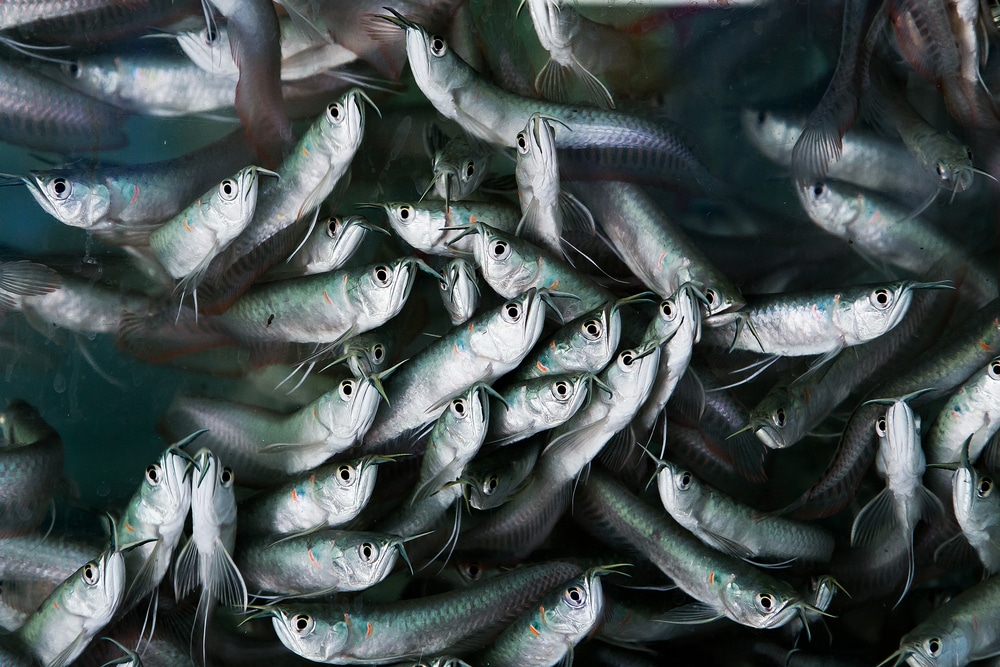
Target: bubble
59, 383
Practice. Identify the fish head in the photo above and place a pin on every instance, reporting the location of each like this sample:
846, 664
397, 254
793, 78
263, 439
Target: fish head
382, 290
463, 424
974, 498
368, 558
366, 354
213, 499
932, 645
437, 70
513, 329
763, 604
95, 591
348, 411
680, 491
590, 341
209, 49
164, 496
70, 201
304, 631
631, 376
954, 167
829, 207
875, 311
774, 417
562, 396
488, 489
770, 134
417, 225
900, 457
235, 200
460, 291
339, 239
537, 166
459, 169
580, 604
349, 487
507, 263
343, 124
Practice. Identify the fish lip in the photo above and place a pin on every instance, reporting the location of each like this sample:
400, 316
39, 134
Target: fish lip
770, 436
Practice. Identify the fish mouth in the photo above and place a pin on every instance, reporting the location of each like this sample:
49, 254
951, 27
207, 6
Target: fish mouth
770, 436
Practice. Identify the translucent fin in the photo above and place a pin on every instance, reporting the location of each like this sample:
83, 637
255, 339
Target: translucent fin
597, 92
690, 614
145, 580
279, 447
186, 570
552, 81
24, 278
576, 216
817, 148
725, 544
69, 654
875, 521
223, 579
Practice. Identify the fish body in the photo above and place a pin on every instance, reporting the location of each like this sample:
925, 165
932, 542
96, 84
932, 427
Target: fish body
31, 464
263, 446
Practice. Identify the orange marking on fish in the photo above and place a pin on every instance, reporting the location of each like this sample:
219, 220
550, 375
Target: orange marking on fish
312, 479
975, 623
295, 495
455, 347
316, 412
659, 262
129, 527
555, 284
135, 194
711, 577
187, 226
472, 218
305, 151
369, 633
987, 348
55, 604
312, 558
627, 617
541, 367
534, 631
326, 295
347, 618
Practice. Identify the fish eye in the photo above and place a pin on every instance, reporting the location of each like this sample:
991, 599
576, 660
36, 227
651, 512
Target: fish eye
592, 329
470, 169
345, 473
382, 275
335, 112
59, 188
522, 143
153, 475
303, 624
347, 389
668, 310
933, 647
72, 69
994, 369
458, 408
490, 485
473, 571
91, 573
880, 427
941, 171
404, 213
368, 551
711, 297
765, 602
779, 417
211, 35
438, 46
626, 358
228, 189
684, 480
881, 298
227, 477
985, 487
818, 189
333, 228
511, 311
561, 390
378, 352
499, 250
575, 597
